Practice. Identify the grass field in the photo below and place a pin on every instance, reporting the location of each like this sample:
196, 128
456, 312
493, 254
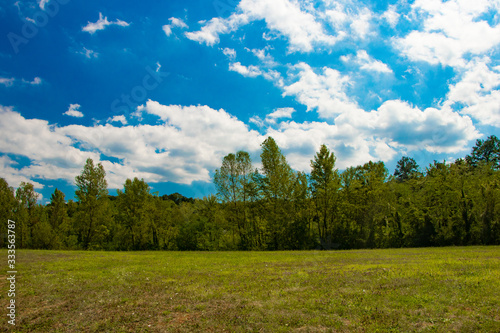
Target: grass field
399, 290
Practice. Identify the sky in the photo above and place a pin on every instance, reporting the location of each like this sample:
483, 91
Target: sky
163, 90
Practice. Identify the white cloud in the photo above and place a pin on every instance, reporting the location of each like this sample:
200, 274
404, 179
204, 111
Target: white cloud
451, 30
73, 111
36, 81
10, 81
280, 113
118, 119
391, 16
167, 29
13, 176
230, 53
250, 71
51, 153
477, 93
89, 53
361, 24
102, 23
209, 33
42, 3
174, 22
325, 92
6, 81
361, 136
287, 18
401, 125
367, 63
284, 17
264, 57
189, 142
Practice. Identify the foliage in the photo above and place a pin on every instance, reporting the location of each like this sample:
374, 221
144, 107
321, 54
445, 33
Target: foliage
274, 207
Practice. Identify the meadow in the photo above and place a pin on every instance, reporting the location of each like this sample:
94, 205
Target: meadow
454, 289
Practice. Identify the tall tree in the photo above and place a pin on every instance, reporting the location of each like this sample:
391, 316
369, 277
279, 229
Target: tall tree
325, 183
135, 203
233, 182
92, 195
58, 217
485, 151
406, 169
7, 207
277, 187
26, 198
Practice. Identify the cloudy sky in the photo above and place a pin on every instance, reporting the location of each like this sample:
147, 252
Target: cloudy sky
163, 90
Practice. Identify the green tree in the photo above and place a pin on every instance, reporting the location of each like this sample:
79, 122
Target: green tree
325, 184
7, 208
485, 151
233, 181
58, 218
92, 196
406, 169
135, 204
276, 185
25, 214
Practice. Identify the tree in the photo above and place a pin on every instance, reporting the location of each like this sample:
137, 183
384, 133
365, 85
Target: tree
486, 151
26, 203
58, 217
92, 195
406, 169
324, 185
134, 207
233, 182
7, 207
277, 186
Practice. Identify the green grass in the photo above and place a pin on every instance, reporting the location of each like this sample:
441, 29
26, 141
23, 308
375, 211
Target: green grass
399, 290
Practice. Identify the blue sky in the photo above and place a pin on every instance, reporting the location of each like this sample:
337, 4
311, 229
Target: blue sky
163, 90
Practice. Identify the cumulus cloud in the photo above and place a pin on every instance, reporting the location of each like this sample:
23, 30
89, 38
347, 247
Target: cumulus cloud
118, 119
230, 53
189, 142
324, 92
391, 16
361, 24
451, 30
210, 32
250, 71
102, 23
367, 63
89, 54
477, 93
73, 111
280, 113
42, 3
10, 81
401, 125
6, 81
283, 17
174, 22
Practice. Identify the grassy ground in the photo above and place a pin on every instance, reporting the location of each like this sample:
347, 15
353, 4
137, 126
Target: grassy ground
400, 290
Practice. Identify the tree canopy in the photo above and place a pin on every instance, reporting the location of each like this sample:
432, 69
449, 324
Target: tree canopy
274, 207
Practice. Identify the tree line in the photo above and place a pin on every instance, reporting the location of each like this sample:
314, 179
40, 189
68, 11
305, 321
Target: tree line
273, 208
